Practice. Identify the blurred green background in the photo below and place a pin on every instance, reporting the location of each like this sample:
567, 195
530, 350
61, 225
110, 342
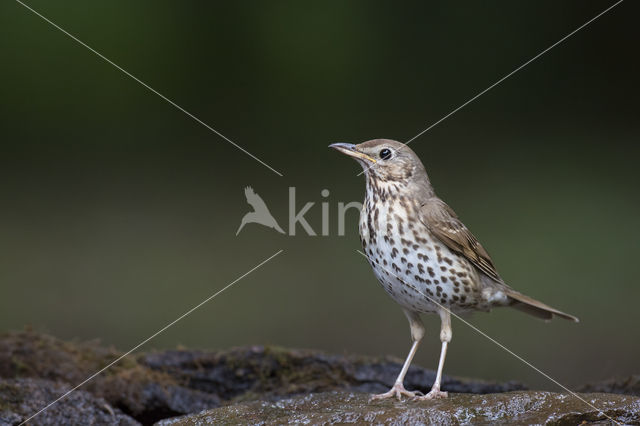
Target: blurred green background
119, 212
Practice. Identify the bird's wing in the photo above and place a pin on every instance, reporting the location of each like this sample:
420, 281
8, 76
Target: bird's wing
443, 222
254, 200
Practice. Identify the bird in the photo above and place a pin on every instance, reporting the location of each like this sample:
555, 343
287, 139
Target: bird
260, 213
426, 259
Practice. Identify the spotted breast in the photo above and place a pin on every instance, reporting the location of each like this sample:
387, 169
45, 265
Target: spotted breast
411, 263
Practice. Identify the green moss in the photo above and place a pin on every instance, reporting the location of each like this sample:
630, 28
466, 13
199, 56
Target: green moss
30, 354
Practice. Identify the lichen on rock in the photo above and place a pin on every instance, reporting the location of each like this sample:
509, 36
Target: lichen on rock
523, 407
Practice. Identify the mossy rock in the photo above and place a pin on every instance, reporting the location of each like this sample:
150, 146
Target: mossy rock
21, 398
158, 385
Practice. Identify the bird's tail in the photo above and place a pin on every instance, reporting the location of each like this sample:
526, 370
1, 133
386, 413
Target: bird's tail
536, 308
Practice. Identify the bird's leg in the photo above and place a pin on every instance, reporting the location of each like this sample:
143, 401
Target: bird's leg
417, 333
445, 338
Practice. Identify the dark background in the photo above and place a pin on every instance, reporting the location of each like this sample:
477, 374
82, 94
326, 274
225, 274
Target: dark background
118, 212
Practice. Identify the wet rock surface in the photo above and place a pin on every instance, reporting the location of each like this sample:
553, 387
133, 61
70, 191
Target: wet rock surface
150, 387
21, 398
525, 407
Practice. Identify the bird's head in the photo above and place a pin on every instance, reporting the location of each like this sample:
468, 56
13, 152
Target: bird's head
385, 160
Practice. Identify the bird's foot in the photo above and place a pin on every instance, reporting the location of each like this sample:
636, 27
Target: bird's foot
397, 391
434, 393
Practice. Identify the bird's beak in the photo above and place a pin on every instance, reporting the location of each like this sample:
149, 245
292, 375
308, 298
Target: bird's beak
351, 150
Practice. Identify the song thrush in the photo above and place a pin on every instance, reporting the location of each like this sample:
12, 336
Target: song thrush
422, 254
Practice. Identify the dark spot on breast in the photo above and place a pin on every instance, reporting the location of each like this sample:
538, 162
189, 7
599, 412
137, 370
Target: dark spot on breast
403, 203
443, 268
405, 250
372, 232
431, 273
449, 261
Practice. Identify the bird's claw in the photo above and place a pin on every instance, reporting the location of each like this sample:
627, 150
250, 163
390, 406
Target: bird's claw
433, 394
397, 391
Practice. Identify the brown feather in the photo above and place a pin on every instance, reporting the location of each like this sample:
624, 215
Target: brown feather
534, 307
443, 222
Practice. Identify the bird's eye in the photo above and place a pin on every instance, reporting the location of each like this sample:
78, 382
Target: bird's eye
385, 154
